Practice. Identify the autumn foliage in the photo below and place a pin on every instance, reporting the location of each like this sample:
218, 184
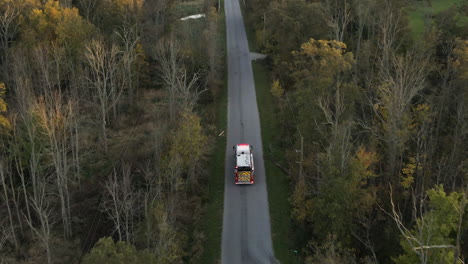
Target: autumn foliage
384, 121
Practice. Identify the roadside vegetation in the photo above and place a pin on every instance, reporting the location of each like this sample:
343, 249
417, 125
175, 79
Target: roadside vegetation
107, 108
284, 239
213, 218
383, 119
277, 179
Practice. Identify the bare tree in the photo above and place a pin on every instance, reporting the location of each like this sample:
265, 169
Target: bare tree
5, 235
388, 25
182, 88
130, 36
334, 110
6, 198
153, 22
187, 91
65, 3
173, 180
51, 60
166, 248
169, 57
78, 92
151, 193
122, 202
363, 12
21, 174
401, 82
366, 222
459, 136
338, 17
87, 6
55, 117
10, 11
27, 130
44, 212
104, 65
420, 240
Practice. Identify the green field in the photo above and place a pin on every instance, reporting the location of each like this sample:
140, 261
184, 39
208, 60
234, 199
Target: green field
420, 12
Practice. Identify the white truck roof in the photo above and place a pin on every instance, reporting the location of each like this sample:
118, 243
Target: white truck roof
243, 155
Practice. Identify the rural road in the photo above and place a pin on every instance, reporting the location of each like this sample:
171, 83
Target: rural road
246, 234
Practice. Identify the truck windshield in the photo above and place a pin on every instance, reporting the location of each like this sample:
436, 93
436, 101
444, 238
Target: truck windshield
243, 169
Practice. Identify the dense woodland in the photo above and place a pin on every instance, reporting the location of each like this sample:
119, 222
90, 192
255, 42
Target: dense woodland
105, 110
383, 116
105, 106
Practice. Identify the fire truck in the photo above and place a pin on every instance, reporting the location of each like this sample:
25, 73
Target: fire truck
244, 167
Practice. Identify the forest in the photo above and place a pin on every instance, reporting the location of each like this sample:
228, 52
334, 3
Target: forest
106, 109
371, 98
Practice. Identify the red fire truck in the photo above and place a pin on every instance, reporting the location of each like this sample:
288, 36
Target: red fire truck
244, 168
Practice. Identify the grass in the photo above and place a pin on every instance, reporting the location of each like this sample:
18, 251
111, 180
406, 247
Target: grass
277, 182
214, 208
251, 39
419, 10
187, 9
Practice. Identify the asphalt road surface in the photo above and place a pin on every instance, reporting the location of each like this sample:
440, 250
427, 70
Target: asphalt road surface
246, 220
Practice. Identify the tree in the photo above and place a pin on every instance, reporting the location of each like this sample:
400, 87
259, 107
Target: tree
4, 123
211, 35
288, 24
65, 3
120, 252
167, 248
362, 15
390, 27
55, 117
5, 235
400, 84
187, 90
104, 64
122, 201
432, 240
186, 150
155, 13
10, 21
343, 200
113, 14
182, 88
276, 89
460, 60
339, 13
44, 212
151, 194
320, 71
324, 99
5, 195
87, 6
169, 58
330, 252
130, 38
55, 23
30, 143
